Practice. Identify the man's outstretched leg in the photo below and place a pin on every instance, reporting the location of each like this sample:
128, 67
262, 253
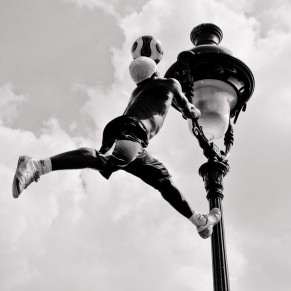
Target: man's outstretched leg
203, 222
29, 170
155, 174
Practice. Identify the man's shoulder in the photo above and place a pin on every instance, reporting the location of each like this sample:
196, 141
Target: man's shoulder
169, 81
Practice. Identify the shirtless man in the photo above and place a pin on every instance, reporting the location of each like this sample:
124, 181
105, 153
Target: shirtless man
124, 141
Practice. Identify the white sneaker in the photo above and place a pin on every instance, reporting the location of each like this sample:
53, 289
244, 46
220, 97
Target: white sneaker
213, 217
26, 173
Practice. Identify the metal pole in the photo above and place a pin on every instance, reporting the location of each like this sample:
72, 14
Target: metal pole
212, 173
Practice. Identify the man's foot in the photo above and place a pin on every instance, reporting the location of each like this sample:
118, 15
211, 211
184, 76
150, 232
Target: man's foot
24, 176
212, 218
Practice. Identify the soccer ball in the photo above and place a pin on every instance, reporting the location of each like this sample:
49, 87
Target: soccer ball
147, 46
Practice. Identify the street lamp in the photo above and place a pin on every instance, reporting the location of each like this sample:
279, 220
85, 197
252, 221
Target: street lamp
220, 85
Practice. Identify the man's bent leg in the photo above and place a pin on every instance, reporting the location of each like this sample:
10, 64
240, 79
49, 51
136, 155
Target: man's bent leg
115, 155
29, 170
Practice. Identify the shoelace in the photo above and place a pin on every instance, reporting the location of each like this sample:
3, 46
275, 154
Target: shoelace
34, 178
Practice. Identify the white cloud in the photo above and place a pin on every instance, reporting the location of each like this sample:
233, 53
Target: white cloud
9, 103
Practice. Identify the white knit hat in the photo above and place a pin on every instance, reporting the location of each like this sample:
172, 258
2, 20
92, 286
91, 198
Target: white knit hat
142, 68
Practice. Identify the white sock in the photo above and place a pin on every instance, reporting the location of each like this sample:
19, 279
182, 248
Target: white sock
43, 166
197, 219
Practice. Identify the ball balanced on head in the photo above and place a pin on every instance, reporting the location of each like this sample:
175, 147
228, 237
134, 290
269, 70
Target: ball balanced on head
147, 46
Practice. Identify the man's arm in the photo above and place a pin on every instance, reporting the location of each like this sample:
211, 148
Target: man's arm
188, 109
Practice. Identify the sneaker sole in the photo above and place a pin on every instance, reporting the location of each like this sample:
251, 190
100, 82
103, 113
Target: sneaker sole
15, 190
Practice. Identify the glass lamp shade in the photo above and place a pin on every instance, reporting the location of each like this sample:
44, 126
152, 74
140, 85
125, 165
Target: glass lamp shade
215, 99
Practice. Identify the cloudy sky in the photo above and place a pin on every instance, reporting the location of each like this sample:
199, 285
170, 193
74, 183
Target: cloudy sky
63, 76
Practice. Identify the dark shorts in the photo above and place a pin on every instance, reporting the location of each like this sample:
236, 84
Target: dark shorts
149, 169
124, 140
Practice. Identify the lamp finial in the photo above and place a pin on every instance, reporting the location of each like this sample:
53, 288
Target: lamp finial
206, 33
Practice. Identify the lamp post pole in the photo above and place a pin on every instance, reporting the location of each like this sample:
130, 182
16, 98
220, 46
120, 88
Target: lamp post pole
212, 173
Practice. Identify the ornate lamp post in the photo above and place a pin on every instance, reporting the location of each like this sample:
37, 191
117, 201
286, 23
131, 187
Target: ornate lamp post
220, 85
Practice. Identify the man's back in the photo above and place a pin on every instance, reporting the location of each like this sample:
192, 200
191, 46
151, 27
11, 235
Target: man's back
150, 103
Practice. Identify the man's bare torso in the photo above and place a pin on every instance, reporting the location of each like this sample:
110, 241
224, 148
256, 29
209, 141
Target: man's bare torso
150, 103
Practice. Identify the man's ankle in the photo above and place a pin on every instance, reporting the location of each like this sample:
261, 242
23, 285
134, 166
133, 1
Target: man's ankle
43, 166
198, 219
